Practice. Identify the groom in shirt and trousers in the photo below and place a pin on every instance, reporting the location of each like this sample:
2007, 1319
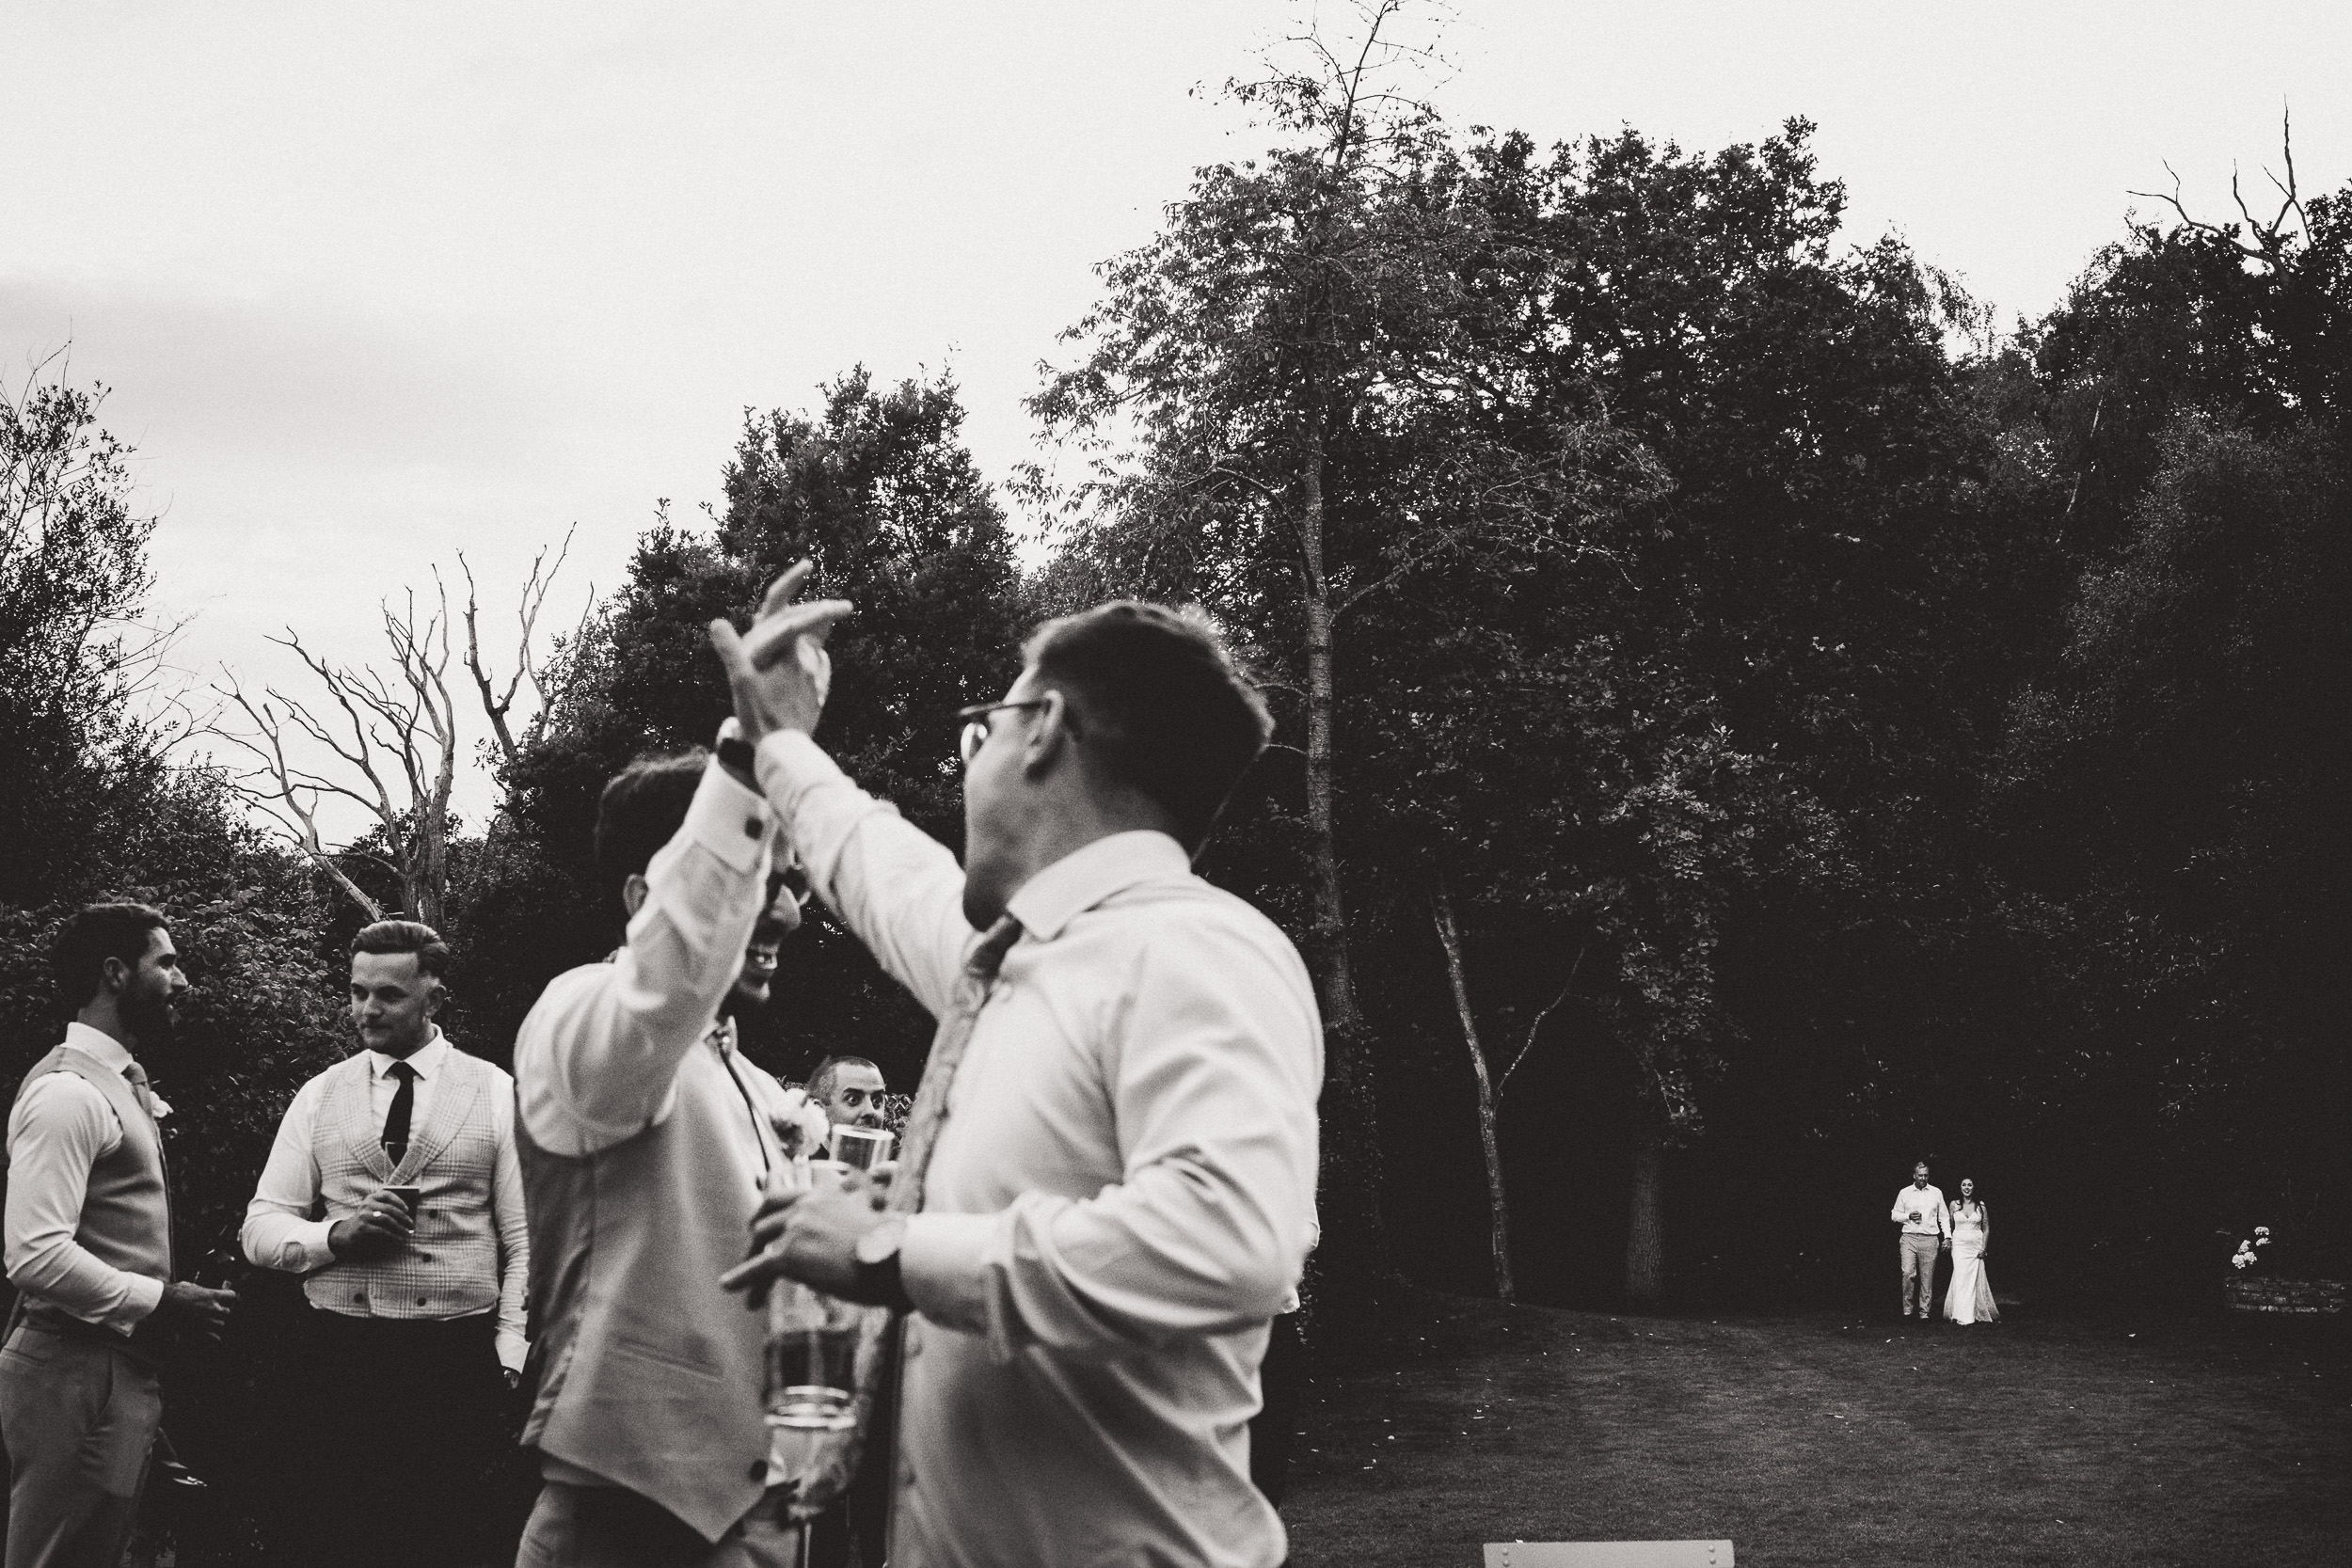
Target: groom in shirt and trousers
1926, 1223
1107, 1188
88, 1249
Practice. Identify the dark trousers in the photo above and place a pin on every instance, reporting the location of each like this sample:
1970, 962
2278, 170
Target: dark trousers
397, 1425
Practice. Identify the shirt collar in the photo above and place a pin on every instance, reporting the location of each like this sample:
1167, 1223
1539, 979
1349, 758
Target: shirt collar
426, 1059
1084, 878
98, 1043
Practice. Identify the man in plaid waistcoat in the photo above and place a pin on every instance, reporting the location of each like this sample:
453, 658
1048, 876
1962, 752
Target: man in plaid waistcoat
394, 1190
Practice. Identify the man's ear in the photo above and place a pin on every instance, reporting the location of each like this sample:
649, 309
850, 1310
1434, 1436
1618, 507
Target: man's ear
114, 977
434, 998
1050, 735
633, 894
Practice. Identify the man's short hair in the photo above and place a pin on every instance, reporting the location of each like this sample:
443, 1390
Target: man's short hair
405, 936
1160, 701
642, 807
93, 934
821, 1080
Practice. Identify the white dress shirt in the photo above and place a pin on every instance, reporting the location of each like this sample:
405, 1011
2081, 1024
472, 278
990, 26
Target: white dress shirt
279, 1229
605, 1042
59, 1128
1120, 1197
1927, 1203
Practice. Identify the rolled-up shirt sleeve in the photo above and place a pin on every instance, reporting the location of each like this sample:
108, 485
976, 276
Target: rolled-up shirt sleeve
60, 1127
278, 1230
1211, 1071
596, 1060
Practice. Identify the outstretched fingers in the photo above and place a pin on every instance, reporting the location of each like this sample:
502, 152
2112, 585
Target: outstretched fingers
776, 634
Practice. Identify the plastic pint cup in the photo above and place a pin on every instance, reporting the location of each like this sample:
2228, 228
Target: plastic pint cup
861, 1148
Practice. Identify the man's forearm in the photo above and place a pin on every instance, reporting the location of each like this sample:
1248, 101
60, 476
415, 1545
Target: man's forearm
897, 888
604, 1053
68, 1275
276, 1237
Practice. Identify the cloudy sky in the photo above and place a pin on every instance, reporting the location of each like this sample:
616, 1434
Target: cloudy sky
374, 285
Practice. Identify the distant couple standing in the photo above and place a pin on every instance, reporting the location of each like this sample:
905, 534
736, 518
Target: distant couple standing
1930, 1226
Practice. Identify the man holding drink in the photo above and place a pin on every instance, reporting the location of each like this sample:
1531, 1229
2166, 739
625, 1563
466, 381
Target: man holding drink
1105, 1188
414, 1271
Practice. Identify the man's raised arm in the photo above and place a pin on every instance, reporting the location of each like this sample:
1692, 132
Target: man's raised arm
595, 1059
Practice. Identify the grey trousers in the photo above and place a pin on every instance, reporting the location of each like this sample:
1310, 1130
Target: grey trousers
79, 1418
1919, 1274
605, 1526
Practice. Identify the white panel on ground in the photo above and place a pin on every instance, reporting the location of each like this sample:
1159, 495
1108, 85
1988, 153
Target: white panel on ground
1609, 1554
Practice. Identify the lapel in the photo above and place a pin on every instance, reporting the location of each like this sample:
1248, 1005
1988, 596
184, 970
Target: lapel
454, 1100
354, 1117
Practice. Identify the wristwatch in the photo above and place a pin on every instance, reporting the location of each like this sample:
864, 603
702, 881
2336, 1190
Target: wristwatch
876, 1254
740, 754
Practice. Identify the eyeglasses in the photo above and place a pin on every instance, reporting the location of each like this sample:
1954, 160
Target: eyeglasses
975, 725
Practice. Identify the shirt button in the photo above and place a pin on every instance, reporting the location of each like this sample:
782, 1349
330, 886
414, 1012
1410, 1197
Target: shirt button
421, 1300
752, 827
359, 1296
906, 1476
759, 1470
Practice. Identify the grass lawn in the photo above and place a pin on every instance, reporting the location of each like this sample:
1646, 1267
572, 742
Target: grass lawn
1830, 1440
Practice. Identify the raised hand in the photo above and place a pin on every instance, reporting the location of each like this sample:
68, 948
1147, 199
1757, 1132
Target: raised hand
778, 670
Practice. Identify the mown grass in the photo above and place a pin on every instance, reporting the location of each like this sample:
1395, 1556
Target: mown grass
1831, 1441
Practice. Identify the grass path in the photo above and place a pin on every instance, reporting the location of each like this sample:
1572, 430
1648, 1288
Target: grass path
1831, 1440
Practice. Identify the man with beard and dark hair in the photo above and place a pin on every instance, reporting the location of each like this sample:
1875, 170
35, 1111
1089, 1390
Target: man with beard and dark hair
88, 1247
646, 1142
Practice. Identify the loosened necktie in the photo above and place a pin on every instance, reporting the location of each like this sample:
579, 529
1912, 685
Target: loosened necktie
919, 1137
403, 1107
137, 1076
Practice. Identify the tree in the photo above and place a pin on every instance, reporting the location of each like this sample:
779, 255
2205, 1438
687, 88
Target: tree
394, 742
877, 489
1279, 303
73, 580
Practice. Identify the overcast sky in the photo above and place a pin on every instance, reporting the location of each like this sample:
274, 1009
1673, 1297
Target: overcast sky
372, 285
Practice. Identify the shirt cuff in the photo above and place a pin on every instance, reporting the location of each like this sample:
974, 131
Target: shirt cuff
943, 1264
729, 820
139, 1300
513, 1350
305, 1248
788, 764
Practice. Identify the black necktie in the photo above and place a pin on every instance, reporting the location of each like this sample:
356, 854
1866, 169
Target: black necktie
404, 1106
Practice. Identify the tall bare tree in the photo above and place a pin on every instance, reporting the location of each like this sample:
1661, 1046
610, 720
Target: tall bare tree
531, 659
393, 741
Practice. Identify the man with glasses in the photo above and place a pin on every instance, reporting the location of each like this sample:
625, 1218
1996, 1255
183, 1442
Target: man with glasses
1106, 1189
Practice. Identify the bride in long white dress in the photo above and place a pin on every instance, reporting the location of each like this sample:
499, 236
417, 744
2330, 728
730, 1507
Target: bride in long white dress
1970, 1299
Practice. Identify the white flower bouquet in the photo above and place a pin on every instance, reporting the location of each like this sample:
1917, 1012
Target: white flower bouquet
801, 1126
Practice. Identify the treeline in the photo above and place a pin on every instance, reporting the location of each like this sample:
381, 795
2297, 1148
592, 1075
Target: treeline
1745, 722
